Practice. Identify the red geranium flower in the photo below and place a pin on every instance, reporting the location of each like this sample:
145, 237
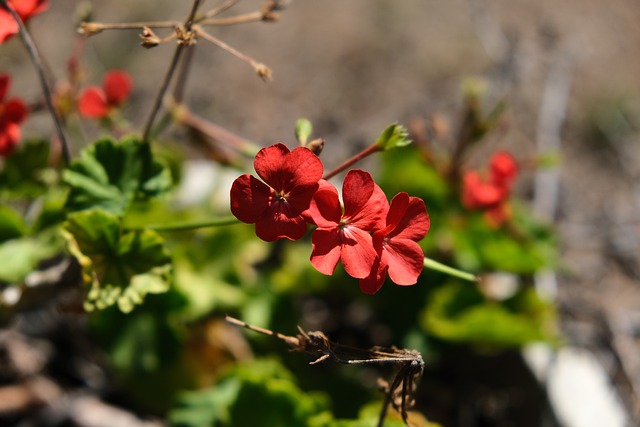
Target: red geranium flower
492, 194
398, 252
97, 102
12, 113
277, 206
25, 10
503, 168
344, 235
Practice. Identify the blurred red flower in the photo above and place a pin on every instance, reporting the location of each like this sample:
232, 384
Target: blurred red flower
12, 113
491, 195
344, 235
398, 252
276, 207
97, 102
25, 10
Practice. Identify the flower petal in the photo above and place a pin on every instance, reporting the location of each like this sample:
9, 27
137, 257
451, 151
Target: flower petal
325, 210
8, 26
326, 249
10, 135
405, 260
503, 168
250, 198
15, 111
5, 80
93, 103
117, 87
28, 8
365, 204
409, 218
277, 223
357, 252
372, 284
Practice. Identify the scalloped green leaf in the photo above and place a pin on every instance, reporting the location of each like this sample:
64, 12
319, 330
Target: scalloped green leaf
394, 136
110, 175
118, 267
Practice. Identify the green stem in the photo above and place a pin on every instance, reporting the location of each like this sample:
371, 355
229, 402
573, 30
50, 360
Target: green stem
182, 226
435, 265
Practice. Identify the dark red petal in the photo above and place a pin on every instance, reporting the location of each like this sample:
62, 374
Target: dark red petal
306, 166
15, 111
117, 87
325, 210
9, 137
405, 259
408, 217
5, 80
93, 103
276, 223
250, 198
372, 284
269, 164
365, 204
326, 249
8, 26
357, 253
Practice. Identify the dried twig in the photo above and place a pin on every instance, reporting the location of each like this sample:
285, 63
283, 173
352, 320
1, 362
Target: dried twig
399, 394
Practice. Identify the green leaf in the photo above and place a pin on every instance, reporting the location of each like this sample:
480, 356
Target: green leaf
304, 128
23, 173
118, 267
110, 175
11, 224
394, 136
22, 255
255, 393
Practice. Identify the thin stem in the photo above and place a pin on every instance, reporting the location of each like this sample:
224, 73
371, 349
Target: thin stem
96, 27
37, 62
435, 265
218, 133
202, 33
364, 153
181, 78
232, 20
165, 84
218, 10
167, 79
182, 226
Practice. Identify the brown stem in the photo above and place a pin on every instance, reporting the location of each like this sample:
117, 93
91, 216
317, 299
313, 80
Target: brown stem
167, 78
37, 62
218, 10
364, 153
232, 20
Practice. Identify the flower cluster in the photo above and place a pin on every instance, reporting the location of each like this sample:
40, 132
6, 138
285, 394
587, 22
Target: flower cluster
491, 194
371, 237
25, 10
98, 102
12, 113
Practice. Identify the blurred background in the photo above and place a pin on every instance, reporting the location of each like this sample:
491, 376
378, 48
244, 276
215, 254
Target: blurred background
568, 75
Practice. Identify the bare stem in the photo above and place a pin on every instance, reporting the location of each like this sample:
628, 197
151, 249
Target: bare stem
218, 10
95, 27
232, 20
37, 62
167, 79
364, 153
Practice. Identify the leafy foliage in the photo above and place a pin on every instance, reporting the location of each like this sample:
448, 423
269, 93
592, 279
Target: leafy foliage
119, 267
110, 175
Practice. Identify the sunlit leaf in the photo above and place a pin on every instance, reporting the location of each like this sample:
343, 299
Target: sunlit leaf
110, 175
119, 267
22, 255
303, 130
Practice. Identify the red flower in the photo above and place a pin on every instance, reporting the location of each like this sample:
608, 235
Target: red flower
97, 103
12, 113
492, 194
25, 10
277, 206
344, 235
503, 168
398, 252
